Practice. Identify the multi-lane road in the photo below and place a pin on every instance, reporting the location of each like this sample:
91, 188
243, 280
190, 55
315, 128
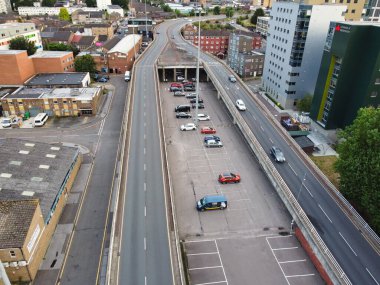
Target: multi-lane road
357, 258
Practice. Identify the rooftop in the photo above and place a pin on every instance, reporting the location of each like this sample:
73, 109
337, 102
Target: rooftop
33, 170
15, 219
5, 52
50, 54
114, 7
53, 93
125, 44
67, 78
15, 25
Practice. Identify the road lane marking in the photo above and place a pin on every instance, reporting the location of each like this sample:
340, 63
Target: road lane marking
291, 261
203, 253
372, 276
146, 282
308, 190
261, 127
144, 186
292, 169
347, 243
221, 262
209, 267
144, 150
210, 283
324, 213
270, 140
144, 114
144, 243
145, 211
275, 257
144, 124
285, 248
300, 275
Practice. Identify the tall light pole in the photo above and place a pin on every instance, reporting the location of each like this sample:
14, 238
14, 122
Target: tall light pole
298, 195
199, 52
146, 22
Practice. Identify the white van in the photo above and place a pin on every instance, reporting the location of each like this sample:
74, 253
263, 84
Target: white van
127, 76
40, 119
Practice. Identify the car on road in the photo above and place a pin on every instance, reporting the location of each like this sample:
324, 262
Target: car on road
102, 79
213, 143
240, 105
208, 130
194, 100
211, 137
188, 127
232, 78
200, 106
203, 117
191, 95
6, 122
229, 177
179, 93
277, 154
181, 115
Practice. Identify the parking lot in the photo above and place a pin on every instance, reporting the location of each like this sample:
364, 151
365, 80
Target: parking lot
237, 249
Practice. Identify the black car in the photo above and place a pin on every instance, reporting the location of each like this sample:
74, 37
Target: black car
191, 96
194, 100
200, 106
211, 137
189, 88
181, 115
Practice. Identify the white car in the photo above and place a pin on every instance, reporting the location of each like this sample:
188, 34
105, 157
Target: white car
188, 127
6, 123
240, 105
180, 78
203, 117
213, 143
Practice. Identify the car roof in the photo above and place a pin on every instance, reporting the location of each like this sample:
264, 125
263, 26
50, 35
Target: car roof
215, 198
227, 174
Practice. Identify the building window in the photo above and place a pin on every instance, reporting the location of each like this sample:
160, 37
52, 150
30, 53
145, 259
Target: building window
353, 11
12, 253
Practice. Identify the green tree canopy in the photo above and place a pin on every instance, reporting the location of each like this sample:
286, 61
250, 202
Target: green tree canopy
304, 104
62, 47
122, 3
359, 164
19, 3
21, 43
85, 64
48, 3
258, 13
166, 8
91, 3
230, 12
216, 10
64, 14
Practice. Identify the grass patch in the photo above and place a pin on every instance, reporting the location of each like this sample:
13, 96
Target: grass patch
326, 165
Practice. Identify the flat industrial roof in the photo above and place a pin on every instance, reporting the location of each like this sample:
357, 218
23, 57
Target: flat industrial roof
11, 51
33, 170
66, 78
53, 93
49, 54
125, 44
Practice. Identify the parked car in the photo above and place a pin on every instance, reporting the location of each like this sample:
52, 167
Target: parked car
180, 78
188, 127
229, 177
194, 100
6, 122
240, 105
211, 137
175, 88
213, 143
189, 88
277, 154
203, 117
103, 79
213, 202
191, 95
200, 106
179, 93
182, 108
208, 130
181, 115
232, 78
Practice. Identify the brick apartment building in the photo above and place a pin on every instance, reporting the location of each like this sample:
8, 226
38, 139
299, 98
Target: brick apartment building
100, 29
20, 66
32, 203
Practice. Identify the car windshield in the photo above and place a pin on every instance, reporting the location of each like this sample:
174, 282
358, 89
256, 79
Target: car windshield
203, 201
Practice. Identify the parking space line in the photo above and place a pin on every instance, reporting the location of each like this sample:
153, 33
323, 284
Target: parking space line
283, 273
273, 237
300, 275
221, 262
209, 267
285, 248
203, 240
209, 283
291, 261
203, 253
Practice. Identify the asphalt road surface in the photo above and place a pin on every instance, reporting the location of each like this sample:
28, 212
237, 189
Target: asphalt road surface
145, 252
357, 258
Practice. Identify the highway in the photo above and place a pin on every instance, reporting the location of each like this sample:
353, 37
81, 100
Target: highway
145, 252
356, 257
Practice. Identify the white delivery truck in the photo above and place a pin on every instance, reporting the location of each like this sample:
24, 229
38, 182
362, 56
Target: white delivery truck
127, 76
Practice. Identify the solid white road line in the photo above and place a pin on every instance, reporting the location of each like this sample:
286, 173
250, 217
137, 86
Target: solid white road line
201, 268
324, 213
285, 248
203, 253
308, 190
275, 257
291, 261
372, 276
292, 169
347, 243
225, 277
301, 275
209, 283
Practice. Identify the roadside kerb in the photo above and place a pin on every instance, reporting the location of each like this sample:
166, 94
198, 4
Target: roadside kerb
169, 187
332, 267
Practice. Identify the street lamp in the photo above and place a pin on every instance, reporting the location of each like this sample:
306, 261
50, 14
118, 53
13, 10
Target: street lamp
298, 195
199, 51
146, 24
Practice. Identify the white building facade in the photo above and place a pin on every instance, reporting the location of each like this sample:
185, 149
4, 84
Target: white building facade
10, 31
102, 4
262, 25
52, 11
5, 6
295, 40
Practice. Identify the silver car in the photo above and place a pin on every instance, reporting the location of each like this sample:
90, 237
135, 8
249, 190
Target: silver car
277, 154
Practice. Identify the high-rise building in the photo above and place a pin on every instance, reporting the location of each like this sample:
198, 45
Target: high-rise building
294, 49
349, 77
5, 6
262, 25
10, 31
372, 11
102, 4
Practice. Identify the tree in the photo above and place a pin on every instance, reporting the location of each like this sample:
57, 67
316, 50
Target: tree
91, 3
48, 3
177, 13
192, 13
166, 8
304, 104
229, 12
216, 10
358, 164
62, 47
121, 3
258, 13
64, 14
85, 64
21, 43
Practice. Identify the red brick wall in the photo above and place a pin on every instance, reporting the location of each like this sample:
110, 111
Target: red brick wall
120, 62
18, 67
54, 64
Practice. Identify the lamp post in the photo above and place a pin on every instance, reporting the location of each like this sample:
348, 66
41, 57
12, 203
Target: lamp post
298, 195
199, 51
146, 23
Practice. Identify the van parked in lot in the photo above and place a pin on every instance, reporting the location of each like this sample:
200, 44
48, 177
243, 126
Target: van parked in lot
212, 202
182, 108
127, 76
40, 119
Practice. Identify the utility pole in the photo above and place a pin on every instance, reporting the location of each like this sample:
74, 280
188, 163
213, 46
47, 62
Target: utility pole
199, 51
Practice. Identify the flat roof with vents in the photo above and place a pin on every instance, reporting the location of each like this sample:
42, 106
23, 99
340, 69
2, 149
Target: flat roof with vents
67, 78
33, 175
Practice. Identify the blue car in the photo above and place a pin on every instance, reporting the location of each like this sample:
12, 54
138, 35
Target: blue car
211, 137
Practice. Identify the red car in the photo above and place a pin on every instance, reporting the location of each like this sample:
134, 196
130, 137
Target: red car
208, 130
229, 177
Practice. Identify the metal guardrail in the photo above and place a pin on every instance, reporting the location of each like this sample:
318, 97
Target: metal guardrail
282, 189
